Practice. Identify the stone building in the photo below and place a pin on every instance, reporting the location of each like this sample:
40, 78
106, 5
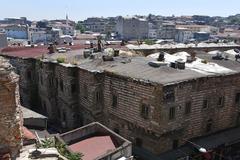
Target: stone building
132, 28
28, 81
155, 108
100, 25
10, 115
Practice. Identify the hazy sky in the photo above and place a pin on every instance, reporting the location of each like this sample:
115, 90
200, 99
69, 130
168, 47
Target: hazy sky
80, 9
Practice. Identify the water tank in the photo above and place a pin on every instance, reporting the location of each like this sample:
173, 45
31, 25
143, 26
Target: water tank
180, 64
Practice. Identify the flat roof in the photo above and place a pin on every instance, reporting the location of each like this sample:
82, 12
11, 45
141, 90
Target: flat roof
226, 137
94, 141
138, 68
37, 52
181, 45
93, 147
27, 113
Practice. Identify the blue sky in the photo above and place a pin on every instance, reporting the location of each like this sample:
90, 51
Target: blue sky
80, 9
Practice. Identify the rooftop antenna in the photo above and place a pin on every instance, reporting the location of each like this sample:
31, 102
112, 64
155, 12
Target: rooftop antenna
67, 20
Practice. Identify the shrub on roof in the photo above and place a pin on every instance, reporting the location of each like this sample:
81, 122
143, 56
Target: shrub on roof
149, 42
60, 60
204, 61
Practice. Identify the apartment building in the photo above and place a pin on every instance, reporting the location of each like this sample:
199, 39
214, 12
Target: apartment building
132, 28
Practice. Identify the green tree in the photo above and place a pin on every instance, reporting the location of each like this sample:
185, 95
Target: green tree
80, 27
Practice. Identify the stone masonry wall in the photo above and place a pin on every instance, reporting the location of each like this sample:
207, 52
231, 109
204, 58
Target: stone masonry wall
10, 115
77, 97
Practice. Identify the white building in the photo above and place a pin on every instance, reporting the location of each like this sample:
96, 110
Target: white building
132, 28
152, 31
183, 35
38, 37
66, 29
17, 31
200, 28
65, 39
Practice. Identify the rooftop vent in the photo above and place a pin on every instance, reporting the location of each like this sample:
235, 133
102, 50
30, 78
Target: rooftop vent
180, 64
218, 56
87, 53
191, 58
51, 48
173, 65
156, 64
237, 50
237, 56
107, 58
116, 52
161, 57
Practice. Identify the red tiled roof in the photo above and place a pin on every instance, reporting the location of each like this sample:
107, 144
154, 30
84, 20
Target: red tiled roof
93, 147
39, 51
27, 134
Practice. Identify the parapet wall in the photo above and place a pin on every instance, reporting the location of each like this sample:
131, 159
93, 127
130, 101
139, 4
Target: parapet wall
10, 115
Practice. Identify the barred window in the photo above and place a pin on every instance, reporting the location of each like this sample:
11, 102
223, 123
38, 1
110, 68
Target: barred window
114, 100
188, 107
205, 103
171, 113
145, 111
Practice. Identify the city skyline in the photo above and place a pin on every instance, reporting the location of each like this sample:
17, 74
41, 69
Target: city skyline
79, 10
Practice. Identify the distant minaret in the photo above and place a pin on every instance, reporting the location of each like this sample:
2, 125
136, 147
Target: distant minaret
67, 20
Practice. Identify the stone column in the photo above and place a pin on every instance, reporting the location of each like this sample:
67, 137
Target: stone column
10, 113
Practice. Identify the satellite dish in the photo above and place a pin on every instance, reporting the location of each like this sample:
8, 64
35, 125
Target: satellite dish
202, 150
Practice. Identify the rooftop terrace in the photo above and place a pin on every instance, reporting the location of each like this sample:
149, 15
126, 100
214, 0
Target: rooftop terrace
96, 141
